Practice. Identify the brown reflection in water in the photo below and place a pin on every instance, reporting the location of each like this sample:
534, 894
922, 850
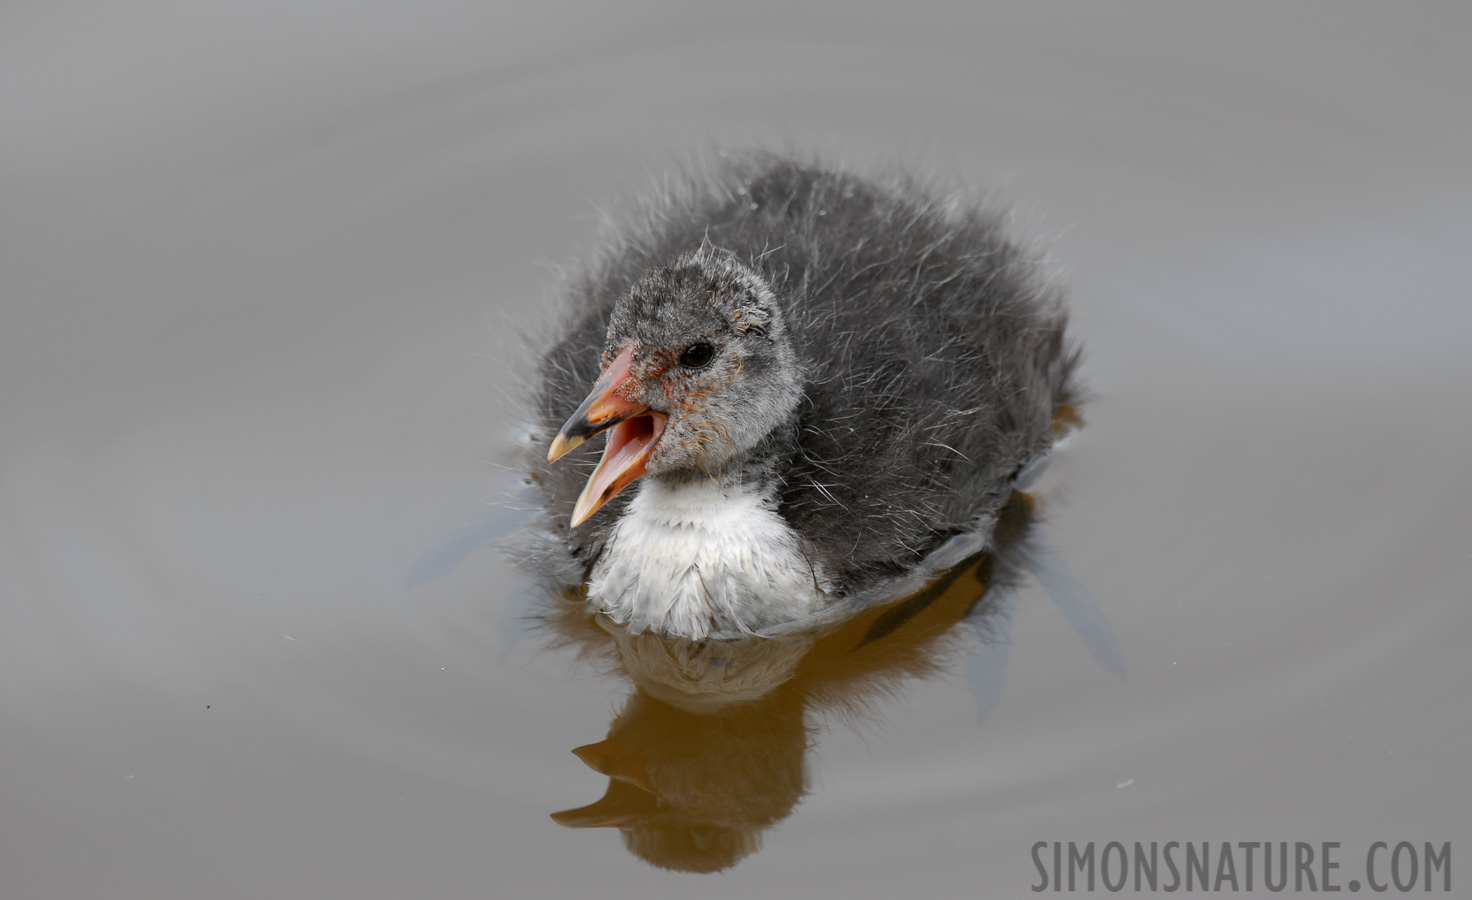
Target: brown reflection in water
708, 752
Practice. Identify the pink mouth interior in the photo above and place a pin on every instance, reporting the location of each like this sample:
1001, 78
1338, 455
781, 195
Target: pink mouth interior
629, 444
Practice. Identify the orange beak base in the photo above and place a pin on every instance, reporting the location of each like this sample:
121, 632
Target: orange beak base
634, 431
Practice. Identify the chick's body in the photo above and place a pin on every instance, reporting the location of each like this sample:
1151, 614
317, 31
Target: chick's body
920, 360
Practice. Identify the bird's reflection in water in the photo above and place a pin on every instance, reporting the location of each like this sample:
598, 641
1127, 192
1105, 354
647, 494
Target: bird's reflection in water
708, 752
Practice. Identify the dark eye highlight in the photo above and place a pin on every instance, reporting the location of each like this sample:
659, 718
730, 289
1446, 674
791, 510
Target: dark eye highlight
697, 356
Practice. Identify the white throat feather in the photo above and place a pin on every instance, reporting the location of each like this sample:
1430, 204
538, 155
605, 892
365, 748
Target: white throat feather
696, 559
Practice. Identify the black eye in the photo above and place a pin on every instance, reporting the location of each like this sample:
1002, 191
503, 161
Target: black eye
697, 356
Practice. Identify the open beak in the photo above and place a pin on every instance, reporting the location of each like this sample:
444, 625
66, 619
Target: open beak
633, 428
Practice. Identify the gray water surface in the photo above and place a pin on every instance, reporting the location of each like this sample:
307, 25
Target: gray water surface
271, 276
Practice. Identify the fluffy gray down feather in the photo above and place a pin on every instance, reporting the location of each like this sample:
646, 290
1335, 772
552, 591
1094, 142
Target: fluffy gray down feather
931, 345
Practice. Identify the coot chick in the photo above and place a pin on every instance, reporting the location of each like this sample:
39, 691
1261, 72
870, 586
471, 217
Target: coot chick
817, 389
